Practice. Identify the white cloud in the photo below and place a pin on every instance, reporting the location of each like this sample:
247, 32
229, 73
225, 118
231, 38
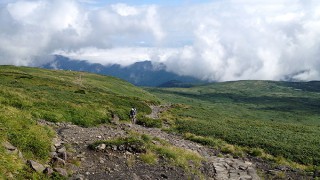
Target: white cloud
235, 40
125, 10
124, 55
221, 40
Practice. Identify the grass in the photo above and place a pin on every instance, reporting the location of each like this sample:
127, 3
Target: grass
280, 118
149, 157
28, 94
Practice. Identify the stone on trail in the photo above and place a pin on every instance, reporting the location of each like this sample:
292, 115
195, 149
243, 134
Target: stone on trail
63, 156
56, 142
78, 177
56, 161
61, 171
36, 166
135, 176
101, 147
62, 149
48, 171
53, 154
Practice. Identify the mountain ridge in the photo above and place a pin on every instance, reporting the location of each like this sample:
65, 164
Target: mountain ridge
143, 73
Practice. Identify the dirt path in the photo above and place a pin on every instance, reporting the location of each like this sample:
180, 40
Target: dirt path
156, 110
114, 164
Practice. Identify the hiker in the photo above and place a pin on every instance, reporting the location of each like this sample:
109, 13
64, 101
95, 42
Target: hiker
133, 113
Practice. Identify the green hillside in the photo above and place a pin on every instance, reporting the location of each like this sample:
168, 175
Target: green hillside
281, 118
279, 121
29, 94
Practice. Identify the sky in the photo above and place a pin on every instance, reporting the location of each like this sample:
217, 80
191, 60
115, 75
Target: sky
215, 40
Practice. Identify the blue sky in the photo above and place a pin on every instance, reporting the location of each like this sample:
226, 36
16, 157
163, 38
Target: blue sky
217, 40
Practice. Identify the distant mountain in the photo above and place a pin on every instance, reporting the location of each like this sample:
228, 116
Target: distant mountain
140, 73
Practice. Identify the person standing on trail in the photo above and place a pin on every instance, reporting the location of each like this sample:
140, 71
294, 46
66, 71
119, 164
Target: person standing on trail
133, 113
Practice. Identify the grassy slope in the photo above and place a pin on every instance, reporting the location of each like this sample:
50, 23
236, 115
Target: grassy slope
28, 94
281, 118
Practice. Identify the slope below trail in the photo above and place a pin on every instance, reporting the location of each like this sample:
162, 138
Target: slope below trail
116, 164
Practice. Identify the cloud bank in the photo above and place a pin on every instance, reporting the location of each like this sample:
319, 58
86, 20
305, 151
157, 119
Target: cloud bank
217, 41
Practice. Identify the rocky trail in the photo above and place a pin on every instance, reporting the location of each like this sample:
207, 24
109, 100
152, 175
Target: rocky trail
73, 156
116, 163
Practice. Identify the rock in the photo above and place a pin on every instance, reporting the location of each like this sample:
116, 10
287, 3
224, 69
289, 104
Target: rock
81, 155
20, 155
48, 171
146, 177
78, 177
273, 172
53, 148
252, 172
53, 154
282, 168
114, 147
121, 148
247, 177
56, 142
71, 168
56, 161
101, 160
164, 176
8, 146
108, 170
242, 167
135, 176
101, 147
63, 156
99, 137
233, 175
62, 149
61, 171
36, 166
